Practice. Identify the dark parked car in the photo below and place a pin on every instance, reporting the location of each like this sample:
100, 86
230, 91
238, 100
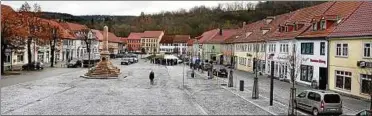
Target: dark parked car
220, 73
74, 64
33, 66
119, 55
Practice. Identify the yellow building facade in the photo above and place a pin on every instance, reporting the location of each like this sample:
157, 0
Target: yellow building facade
246, 53
346, 73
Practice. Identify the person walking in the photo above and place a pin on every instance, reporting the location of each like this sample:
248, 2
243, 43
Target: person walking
152, 76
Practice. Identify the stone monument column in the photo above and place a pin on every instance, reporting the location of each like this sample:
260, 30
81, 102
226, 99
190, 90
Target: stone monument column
104, 68
105, 53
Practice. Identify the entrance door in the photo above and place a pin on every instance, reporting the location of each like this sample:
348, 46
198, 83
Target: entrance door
221, 59
323, 78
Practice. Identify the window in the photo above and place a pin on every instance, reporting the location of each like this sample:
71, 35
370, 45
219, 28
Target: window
332, 98
315, 27
284, 48
322, 48
343, 80
20, 57
249, 62
307, 48
365, 83
367, 50
311, 95
302, 94
306, 73
7, 59
344, 49
263, 47
323, 24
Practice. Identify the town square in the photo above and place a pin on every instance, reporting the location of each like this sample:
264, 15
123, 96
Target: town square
200, 58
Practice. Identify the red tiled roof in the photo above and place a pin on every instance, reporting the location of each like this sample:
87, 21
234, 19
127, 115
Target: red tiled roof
98, 34
65, 34
167, 39
302, 15
217, 38
341, 9
124, 40
181, 38
358, 24
190, 42
207, 35
133, 35
252, 27
152, 34
73, 26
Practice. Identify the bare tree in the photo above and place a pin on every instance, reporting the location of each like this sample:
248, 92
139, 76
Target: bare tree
295, 68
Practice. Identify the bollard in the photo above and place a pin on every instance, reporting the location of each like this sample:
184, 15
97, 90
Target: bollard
241, 85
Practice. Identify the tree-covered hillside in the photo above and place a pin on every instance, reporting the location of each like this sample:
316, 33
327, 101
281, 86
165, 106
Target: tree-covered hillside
194, 21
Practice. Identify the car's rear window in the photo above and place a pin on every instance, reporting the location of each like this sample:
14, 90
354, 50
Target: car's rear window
332, 98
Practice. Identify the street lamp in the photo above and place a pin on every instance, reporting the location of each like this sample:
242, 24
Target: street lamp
255, 92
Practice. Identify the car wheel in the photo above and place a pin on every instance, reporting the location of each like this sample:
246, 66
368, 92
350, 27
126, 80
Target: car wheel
315, 112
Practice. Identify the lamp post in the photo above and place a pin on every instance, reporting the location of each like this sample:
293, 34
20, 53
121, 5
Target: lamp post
255, 92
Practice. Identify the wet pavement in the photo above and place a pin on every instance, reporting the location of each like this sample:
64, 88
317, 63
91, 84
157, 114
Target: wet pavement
59, 91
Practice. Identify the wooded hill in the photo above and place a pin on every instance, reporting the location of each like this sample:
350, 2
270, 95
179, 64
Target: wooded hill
193, 22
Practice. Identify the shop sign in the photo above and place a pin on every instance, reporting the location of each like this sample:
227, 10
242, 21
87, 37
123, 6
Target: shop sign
318, 61
364, 64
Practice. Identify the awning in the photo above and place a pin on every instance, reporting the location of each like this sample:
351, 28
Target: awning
170, 57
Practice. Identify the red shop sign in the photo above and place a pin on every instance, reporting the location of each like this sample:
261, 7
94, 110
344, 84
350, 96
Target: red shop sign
318, 61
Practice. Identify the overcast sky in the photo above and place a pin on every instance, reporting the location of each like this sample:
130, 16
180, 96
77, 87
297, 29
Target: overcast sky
113, 7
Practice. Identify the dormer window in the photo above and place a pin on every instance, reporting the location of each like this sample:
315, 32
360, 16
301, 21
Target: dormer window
315, 26
247, 34
286, 28
323, 25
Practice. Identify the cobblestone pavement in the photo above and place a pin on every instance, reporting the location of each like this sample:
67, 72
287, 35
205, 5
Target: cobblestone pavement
69, 94
351, 106
59, 92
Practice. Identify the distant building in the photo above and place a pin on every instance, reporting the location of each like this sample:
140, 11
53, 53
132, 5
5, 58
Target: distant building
150, 41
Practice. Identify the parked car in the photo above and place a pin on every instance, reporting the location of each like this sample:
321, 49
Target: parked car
220, 73
319, 102
74, 64
364, 113
124, 61
120, 55
33, 66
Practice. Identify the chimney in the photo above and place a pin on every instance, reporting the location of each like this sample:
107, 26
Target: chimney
220, 31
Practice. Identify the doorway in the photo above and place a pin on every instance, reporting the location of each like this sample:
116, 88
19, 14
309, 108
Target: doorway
221, 59
323, 78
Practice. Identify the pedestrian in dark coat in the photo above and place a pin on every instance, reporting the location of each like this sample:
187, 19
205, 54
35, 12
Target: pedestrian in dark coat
152, 76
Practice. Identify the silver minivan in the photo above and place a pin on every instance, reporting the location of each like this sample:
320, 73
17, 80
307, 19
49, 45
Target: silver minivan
319, 102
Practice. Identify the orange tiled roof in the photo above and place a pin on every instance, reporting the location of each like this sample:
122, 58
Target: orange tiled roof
207, 35
358, 23
73, 26
190, 42
341, 10
304, 16
181, 38
152, 34
98, 34
217, 38
167, 39
249, 28
133, 35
